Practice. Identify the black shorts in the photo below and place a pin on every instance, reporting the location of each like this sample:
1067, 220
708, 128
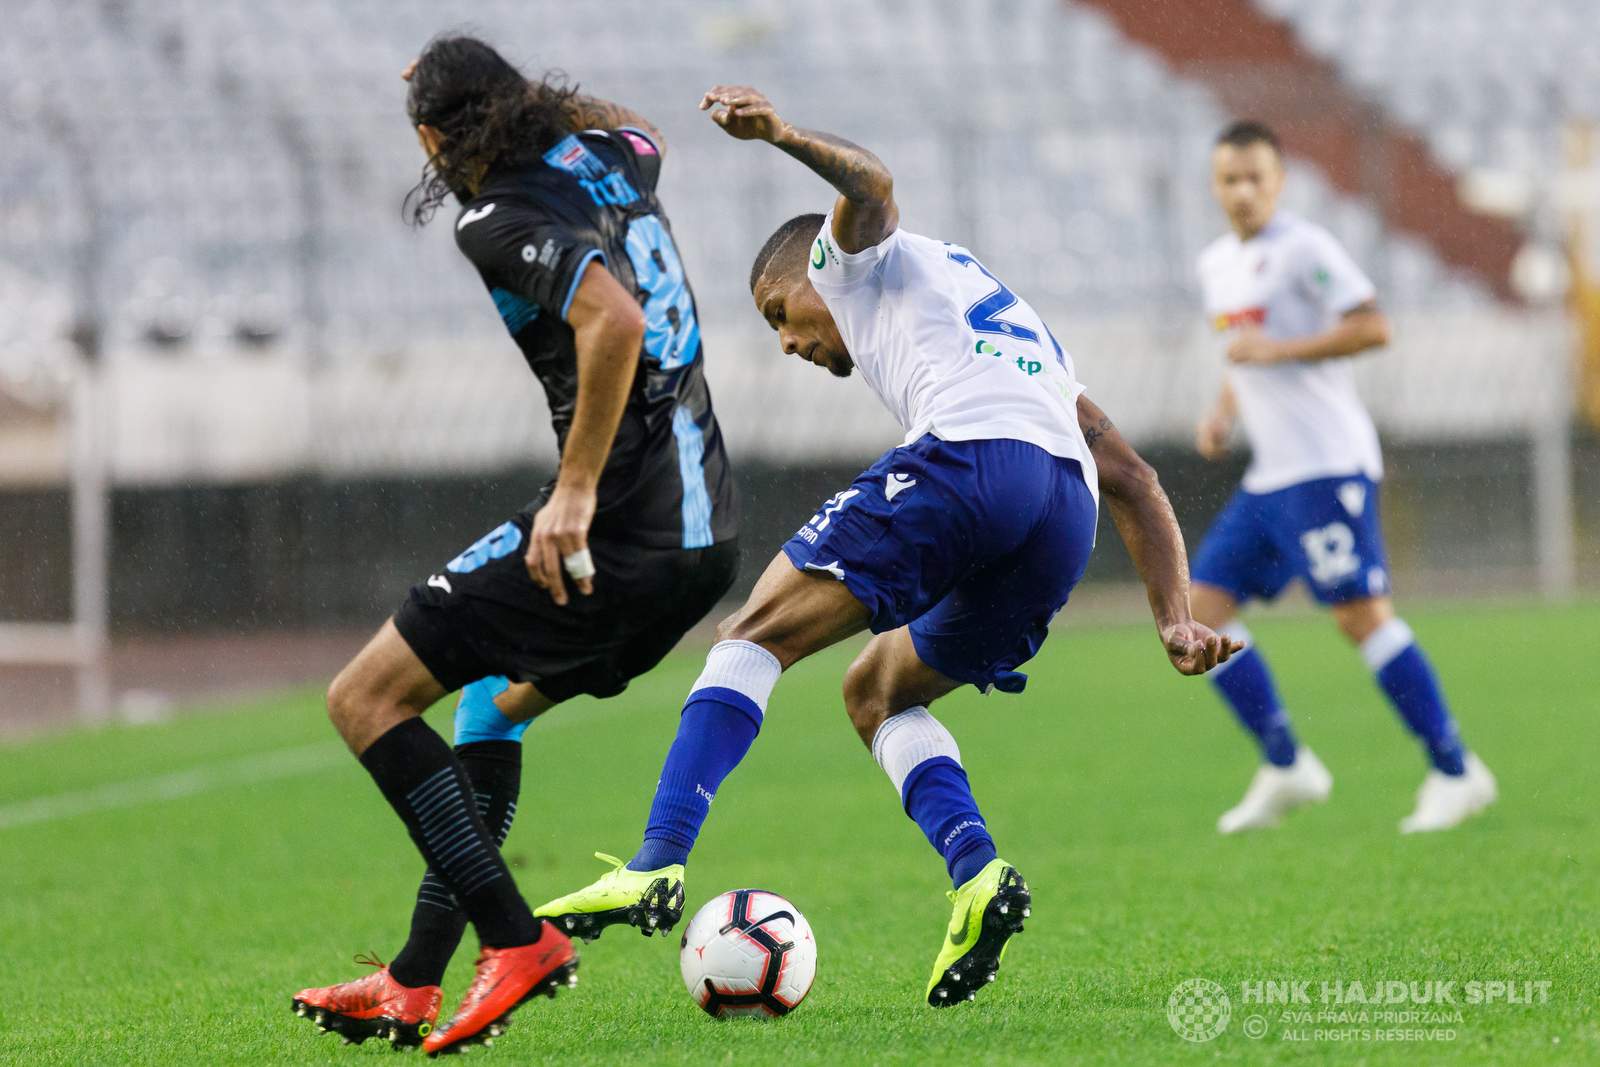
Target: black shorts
483, 615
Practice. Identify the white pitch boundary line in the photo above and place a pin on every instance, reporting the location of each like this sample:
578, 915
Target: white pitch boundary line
286, 763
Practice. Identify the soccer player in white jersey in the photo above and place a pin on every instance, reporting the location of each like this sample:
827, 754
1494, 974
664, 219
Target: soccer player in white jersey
1292, 307
955, 549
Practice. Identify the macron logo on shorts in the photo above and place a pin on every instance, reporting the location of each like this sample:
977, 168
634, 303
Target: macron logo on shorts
895, 483
1353, 495
439, 581
832, 568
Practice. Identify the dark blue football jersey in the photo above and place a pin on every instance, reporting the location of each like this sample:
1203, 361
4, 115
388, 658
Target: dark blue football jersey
531, 231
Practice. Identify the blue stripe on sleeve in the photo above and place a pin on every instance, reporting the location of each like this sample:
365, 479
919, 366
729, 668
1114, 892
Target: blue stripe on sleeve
577, 278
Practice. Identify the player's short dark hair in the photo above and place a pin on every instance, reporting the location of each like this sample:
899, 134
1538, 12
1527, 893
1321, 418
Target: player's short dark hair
487, 113
785, 251
1246, 132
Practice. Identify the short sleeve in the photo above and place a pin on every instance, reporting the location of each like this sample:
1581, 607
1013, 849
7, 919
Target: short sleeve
525, 253
833, 270
1326, 271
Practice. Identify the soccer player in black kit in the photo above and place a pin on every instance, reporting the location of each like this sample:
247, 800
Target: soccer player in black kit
630, 546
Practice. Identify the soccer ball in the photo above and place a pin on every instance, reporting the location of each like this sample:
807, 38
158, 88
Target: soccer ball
748, 953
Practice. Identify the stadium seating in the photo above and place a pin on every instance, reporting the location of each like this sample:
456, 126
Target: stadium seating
175, 166
1489, 83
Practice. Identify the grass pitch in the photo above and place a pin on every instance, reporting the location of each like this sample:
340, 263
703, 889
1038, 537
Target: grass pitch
165, 931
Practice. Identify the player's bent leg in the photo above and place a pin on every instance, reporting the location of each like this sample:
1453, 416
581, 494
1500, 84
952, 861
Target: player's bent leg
1458, 785
789, 615
491, 716
400, 1002
377, 702
886, 691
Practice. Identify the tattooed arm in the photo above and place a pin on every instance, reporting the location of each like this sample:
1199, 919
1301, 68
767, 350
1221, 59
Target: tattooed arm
592, 113
1144, 518
865, 212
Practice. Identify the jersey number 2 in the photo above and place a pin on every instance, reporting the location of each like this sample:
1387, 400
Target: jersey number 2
671, 334
984, 316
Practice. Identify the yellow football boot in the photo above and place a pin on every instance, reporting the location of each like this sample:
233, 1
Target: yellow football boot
988, 910
650, 900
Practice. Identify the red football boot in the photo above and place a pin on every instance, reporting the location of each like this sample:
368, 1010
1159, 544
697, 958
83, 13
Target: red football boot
374, 1006
506, 978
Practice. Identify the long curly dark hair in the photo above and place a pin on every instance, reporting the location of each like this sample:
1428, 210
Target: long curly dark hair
487, 112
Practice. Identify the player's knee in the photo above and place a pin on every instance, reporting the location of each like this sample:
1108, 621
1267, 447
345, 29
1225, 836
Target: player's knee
731, 628
348, 701
1359, 619
866, 698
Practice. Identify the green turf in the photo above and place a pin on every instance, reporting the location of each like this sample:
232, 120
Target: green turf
175, 932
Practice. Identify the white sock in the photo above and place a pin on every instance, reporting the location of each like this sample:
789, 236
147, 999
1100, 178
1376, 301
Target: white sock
1387, 642
908, 739
1239, 632
743, 666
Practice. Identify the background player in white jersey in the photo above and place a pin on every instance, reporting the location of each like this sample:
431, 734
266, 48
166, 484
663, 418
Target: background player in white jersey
955, 549
1293, 307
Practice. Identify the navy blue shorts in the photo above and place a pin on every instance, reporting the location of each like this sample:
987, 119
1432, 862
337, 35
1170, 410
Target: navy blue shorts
1324, 531
975, 544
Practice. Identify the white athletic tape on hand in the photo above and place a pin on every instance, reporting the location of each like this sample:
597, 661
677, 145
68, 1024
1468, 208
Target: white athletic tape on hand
580, 564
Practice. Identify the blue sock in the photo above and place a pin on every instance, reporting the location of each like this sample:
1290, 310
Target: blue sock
939, 800
923, 762
1408, 679
477, 717
720, 721
1246, 684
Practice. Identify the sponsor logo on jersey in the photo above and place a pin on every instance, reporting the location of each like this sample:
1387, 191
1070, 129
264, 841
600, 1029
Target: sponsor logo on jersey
1229, 320
573, 157
549, 254
469, 217
819, 258
896, 484
1030, 367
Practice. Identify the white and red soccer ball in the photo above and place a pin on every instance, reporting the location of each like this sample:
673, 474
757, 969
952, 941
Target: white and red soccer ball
748, 953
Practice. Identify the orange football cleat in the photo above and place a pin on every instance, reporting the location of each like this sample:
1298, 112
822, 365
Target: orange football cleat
374, 1006
506, 978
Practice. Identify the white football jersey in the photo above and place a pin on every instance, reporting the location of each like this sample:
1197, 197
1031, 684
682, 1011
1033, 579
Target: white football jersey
1304, 420
948, 348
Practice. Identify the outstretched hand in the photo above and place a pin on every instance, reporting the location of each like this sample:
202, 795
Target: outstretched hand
1195, 649
745, 114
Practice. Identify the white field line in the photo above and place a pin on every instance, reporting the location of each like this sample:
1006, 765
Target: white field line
286, 763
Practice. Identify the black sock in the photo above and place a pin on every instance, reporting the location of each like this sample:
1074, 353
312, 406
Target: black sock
427, 787
437, 922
